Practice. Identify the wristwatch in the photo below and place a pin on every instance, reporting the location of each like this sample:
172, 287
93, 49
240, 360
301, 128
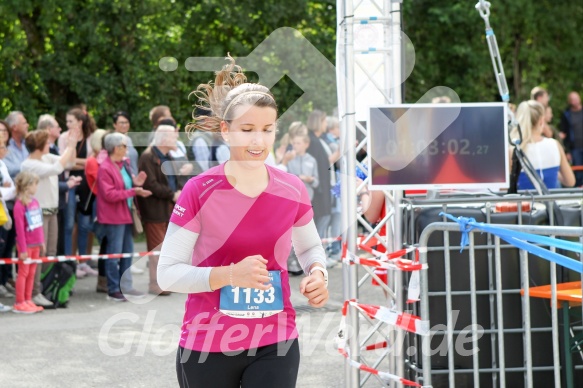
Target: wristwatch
323, 270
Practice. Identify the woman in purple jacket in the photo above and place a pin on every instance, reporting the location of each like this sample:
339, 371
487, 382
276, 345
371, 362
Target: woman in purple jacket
116, 191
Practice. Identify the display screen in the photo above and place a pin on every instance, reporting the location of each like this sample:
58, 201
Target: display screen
433, 146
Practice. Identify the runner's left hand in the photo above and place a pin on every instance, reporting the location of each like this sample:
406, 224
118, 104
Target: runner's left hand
314, 288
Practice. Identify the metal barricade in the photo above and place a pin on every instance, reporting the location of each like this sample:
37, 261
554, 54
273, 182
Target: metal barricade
509, 340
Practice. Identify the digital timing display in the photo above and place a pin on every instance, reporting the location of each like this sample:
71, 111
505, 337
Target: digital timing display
433, 146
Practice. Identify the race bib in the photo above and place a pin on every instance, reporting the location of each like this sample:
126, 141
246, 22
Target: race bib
248, 303
34, 218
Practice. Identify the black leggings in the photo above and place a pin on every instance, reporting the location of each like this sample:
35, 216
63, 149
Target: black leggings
261, 367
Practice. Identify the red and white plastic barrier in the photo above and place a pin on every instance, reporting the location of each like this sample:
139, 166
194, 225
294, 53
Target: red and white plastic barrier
407, 321
394, 261
389, 261
56, 259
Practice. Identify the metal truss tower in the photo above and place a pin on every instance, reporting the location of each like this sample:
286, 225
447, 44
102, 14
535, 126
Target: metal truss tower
369, 72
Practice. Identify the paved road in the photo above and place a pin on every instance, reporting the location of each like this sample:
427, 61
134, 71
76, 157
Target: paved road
98, 343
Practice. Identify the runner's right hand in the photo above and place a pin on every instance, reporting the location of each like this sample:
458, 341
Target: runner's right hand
251, 272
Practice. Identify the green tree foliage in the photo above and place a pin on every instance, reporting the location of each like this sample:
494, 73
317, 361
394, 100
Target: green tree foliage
540, 44
105, 53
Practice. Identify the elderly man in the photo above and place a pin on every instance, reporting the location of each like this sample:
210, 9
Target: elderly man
17, 152
165, 179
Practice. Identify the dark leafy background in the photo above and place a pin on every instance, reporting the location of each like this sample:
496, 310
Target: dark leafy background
105, 53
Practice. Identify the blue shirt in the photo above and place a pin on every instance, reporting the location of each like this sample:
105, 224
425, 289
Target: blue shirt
16, 155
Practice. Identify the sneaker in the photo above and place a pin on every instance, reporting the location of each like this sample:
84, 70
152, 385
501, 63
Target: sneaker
116, 297
134, 293
40, 300
79, 273
87, 269
10, 287
34, 306
4, 308
4, 293
136, 270
23, 308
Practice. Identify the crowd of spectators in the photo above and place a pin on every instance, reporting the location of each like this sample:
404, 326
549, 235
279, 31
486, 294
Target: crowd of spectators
93, 184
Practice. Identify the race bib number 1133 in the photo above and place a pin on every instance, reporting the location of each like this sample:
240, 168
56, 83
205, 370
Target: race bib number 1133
248, 303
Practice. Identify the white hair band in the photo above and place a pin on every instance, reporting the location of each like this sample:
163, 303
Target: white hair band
242, 94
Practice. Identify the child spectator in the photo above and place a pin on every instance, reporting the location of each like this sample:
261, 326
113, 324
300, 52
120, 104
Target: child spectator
28, 221
304, 165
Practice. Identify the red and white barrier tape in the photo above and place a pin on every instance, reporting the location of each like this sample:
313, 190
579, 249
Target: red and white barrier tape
393, 261
387, 262
342, 348
56, 259
405, 321
378, 345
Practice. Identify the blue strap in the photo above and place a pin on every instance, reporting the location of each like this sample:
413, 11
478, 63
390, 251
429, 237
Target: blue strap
523, 241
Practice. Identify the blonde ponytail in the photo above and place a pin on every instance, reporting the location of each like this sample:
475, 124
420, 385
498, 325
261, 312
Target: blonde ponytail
221, 97
528, 116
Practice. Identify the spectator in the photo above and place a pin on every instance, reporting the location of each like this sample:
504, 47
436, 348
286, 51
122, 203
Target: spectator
550, 130
114, 201
7, 189
165, 183
49, 123
200, 145
332, 138
374, 211
18, 127
91, 171
284, 148
304, 166
16, 154
178, 153
158, 113
284, 153
322, 201
28, 222
571, 128
47, 167
121, 124
78, 208
540, 95
546, 155
8, 193
4, 132
219, 151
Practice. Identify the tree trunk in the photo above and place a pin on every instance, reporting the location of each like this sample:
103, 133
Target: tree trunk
517, 76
